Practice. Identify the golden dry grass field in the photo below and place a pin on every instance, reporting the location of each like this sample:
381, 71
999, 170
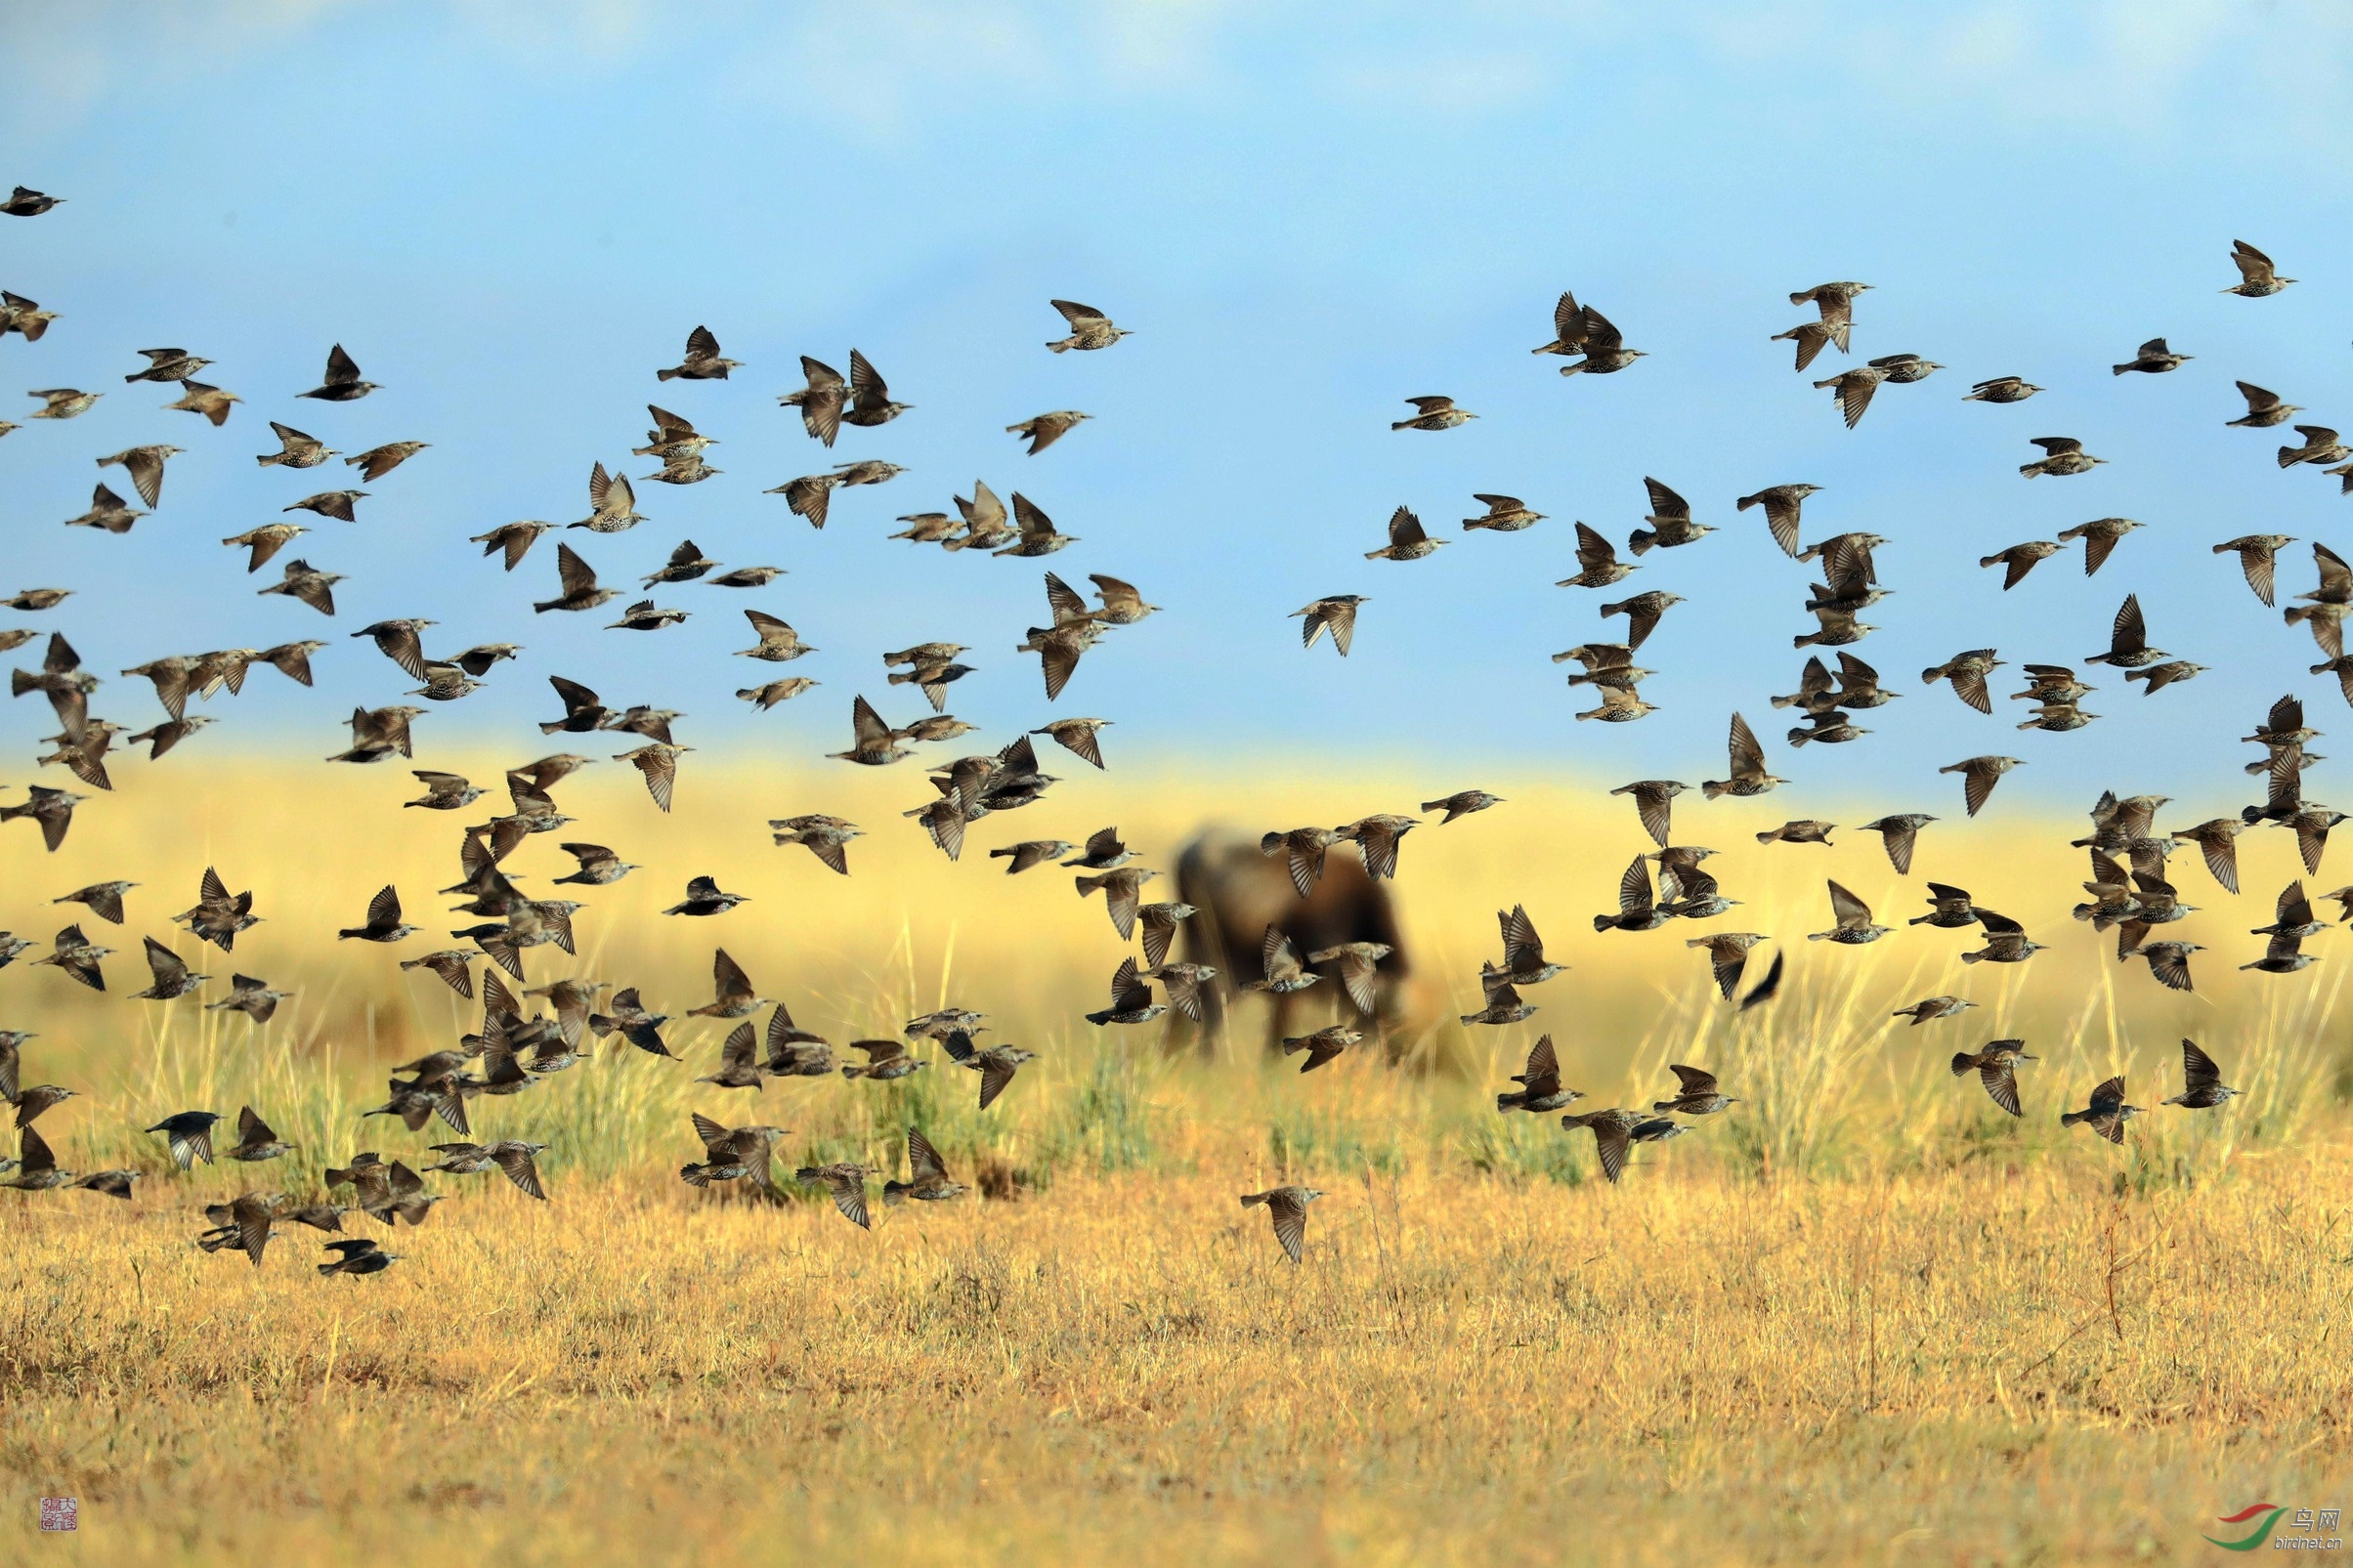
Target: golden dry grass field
1864, 1317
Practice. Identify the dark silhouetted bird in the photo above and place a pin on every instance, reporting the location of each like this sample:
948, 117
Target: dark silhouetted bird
1996, 1067
342, 383
2107, 1114
2201, 1085
702, 361
2153, 358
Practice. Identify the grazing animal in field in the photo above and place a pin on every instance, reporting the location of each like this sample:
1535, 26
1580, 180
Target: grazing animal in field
1237, 893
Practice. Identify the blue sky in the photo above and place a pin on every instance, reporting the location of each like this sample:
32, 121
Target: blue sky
512, 215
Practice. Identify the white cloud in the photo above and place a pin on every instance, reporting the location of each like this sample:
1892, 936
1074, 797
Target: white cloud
2127, 65
882, 67
68, 56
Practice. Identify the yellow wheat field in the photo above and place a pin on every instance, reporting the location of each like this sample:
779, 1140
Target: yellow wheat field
1865, 1317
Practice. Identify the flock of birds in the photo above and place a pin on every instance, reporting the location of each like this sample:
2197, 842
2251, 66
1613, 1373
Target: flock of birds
2130, 887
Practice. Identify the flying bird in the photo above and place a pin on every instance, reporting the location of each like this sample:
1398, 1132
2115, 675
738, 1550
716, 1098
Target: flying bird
1997, 1068
1289, 1207
2107, 1113
342, 382
2060, 456
2099, 537
2257, 559
1784, 504
2153, 358
1437, 414
1407, 540
1603, 346
1089, 328
1747, 766
2264, 409
1336, 614
2201, 1085
1505, 514
1851, 918
1979, 776
1043, 430
2258, 279
702, 361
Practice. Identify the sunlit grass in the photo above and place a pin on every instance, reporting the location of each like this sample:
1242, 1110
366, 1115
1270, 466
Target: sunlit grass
1986, 1364
1830, 1082
1864, 1316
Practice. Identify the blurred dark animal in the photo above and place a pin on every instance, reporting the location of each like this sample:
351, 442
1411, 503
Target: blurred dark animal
1237, 893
